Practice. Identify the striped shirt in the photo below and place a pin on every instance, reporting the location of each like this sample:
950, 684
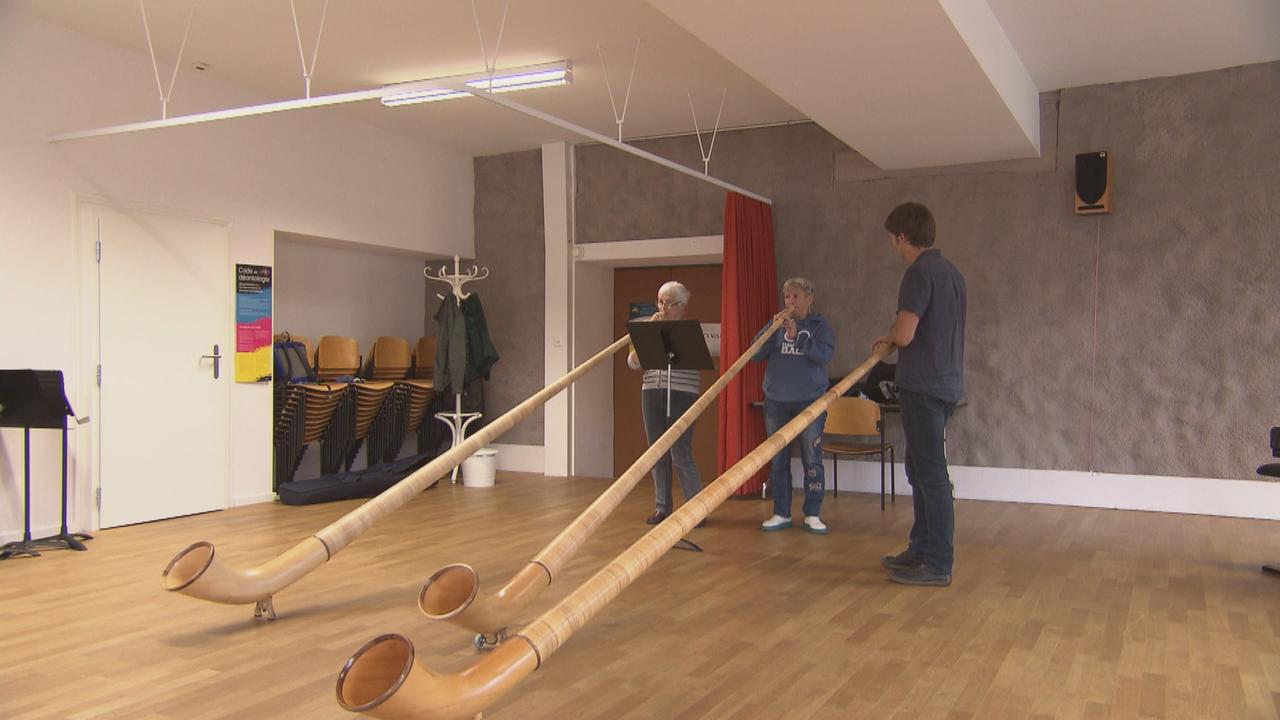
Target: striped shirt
681, 380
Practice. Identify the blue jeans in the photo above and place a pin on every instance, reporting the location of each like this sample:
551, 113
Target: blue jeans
924, 422
809, 441
653, 403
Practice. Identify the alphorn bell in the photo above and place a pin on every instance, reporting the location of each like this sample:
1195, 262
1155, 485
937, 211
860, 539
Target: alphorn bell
384, 680
453, 592
197, 572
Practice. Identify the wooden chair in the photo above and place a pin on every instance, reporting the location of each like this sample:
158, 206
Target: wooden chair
337, 357
424, 358
850, 417
389, 359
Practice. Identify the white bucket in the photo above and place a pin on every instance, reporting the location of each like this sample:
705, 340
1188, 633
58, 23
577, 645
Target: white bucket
479, 469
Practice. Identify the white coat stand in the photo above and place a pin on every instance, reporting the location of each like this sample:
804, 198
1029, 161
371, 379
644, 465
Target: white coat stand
457, 420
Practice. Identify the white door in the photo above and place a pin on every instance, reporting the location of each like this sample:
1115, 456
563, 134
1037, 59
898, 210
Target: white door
164, 286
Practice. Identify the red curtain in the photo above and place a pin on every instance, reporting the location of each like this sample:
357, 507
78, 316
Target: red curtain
748, 300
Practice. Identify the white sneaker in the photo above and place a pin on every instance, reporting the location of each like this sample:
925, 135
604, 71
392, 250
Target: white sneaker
814, 525
777, 522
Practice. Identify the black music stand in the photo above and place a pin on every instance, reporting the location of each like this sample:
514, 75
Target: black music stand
35, 399
670, 345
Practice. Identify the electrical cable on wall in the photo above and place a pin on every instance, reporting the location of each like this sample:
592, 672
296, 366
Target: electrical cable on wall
1093, 350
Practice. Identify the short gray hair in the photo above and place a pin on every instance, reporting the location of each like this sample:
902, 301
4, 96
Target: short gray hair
799, 283
680, 292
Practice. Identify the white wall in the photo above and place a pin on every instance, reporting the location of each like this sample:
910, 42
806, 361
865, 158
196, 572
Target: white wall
311, 171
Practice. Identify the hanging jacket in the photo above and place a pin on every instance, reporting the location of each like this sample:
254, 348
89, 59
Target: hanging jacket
464, 350
451, 347
481, 354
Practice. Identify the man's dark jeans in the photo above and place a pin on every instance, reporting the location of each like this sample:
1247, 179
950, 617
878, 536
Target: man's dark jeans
924, 421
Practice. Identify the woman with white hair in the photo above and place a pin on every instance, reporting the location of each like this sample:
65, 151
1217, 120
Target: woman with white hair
797, 354
673, 301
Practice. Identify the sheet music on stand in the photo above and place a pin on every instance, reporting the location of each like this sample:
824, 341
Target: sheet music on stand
670, 345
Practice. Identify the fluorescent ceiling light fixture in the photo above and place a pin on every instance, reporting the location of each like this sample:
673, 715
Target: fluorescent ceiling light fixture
510, 80
421, 96
524, 80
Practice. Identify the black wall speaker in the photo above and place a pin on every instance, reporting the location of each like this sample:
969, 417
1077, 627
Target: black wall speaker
1093, 183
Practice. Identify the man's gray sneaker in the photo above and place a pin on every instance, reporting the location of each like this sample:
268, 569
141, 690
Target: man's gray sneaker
901, 561
919, 575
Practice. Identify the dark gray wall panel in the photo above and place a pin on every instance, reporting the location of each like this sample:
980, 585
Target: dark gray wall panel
509, 241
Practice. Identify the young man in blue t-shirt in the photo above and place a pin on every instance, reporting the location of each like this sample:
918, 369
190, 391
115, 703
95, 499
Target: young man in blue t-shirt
929, 333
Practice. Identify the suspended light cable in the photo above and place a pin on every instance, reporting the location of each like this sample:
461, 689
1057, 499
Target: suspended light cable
490, 66
706, 153
155, 66
308, 72
616, 117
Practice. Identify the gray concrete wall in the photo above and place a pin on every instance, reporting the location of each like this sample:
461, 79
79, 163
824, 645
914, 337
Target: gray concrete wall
509, 241
1183, 381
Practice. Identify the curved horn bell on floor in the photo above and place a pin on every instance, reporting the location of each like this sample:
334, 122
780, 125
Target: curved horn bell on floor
197, 571
453, 592
384, 680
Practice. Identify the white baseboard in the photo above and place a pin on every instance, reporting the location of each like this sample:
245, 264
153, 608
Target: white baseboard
36, 533
1154, 493
252, 499
520, 458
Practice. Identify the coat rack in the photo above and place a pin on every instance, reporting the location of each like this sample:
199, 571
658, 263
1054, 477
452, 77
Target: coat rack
457, 420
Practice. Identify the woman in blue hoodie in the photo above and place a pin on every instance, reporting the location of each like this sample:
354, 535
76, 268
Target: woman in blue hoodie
797, 354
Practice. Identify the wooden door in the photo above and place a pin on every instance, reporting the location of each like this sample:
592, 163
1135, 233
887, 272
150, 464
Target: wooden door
640, 286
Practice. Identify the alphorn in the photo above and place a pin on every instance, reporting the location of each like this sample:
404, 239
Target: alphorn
384, 680
453, 592
197, 572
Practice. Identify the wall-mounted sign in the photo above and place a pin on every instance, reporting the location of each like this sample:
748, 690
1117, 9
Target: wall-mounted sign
253, 323
641, 310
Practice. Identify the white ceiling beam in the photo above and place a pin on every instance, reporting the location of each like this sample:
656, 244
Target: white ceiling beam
986, 39
896, 80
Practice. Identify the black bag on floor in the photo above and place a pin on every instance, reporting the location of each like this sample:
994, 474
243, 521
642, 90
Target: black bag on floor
350, 485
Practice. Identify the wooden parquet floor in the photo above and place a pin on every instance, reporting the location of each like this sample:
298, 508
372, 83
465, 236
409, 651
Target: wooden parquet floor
1054, 612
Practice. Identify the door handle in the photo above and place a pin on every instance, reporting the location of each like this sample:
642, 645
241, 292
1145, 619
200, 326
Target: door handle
216, 357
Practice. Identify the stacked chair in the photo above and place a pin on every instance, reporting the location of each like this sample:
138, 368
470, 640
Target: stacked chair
338, 359
335, 398
412, 400
421, 396
305, 407
389, 362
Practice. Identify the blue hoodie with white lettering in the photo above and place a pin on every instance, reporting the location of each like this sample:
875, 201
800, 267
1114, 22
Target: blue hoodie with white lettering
797, 370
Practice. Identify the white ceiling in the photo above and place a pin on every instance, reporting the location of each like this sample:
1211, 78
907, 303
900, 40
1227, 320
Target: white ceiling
905, 82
